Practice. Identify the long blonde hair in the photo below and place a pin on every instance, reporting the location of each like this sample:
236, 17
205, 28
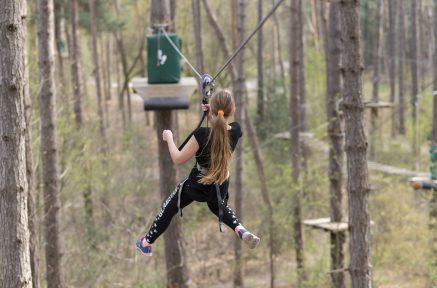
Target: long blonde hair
222, 106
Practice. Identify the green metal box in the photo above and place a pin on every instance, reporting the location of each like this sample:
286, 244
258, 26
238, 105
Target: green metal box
163, 61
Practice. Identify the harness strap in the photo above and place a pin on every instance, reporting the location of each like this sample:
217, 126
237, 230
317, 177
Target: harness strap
220, 206
179, 189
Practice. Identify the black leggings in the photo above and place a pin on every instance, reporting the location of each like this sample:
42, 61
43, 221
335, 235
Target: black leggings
191, 191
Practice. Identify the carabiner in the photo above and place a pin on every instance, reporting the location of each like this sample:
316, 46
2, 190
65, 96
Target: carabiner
207, 87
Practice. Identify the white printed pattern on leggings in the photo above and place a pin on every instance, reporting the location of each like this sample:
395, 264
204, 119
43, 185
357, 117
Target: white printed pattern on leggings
161, 212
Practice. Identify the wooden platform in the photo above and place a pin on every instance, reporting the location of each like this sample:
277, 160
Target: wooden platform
327, 225
185, 87
378, 105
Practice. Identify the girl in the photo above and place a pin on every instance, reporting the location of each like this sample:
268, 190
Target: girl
209, 179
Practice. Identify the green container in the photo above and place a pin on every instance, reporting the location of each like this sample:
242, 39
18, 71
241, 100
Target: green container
163, 61
433, 162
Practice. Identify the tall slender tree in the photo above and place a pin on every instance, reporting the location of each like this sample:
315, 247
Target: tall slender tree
15, 268
256, 150
61, 45
260, 67
197, 23
96, 71
49, 150
414, 73
401, 57
119, 37
392, 50
76, 69
240, 92
336, 138
355, 146
32, 192
177, 270
294, 128
433, 202
375, 89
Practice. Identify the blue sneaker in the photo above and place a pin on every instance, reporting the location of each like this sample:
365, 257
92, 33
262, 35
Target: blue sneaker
145, 250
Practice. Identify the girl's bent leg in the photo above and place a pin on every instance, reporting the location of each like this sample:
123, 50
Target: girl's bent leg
229, 217
168, 209
231, 220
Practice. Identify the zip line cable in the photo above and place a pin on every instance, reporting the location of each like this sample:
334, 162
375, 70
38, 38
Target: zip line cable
257, 28
180, 53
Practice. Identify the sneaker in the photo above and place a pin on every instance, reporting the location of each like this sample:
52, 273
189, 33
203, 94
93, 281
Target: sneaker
248, 238
145, 250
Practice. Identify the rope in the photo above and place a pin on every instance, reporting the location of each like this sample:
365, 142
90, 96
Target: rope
259, 26
180, 53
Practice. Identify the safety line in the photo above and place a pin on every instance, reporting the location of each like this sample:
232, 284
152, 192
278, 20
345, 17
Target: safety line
180, 53
260, 24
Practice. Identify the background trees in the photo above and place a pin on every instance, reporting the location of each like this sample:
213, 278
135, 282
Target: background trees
108, 199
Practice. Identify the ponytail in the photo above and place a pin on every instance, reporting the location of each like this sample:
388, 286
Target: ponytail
220, 152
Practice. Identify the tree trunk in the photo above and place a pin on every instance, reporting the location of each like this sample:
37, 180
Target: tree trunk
392, 50
302, 91
367, 35
278, 48
177, 270
109, 52
295, 74
15, 267
336, 151
240, 93
260, 68
421, 49
401, 55
61, 47
414, 76
76, 69
375, 90
197, 23
103, 70
433, 202
256, 149
123, 58
221, 39
120, 91
32, 192
356, 147
49, 153
325, 30
173, 15
93, 29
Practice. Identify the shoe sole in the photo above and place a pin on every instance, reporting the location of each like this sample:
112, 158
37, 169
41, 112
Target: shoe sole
251, 241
